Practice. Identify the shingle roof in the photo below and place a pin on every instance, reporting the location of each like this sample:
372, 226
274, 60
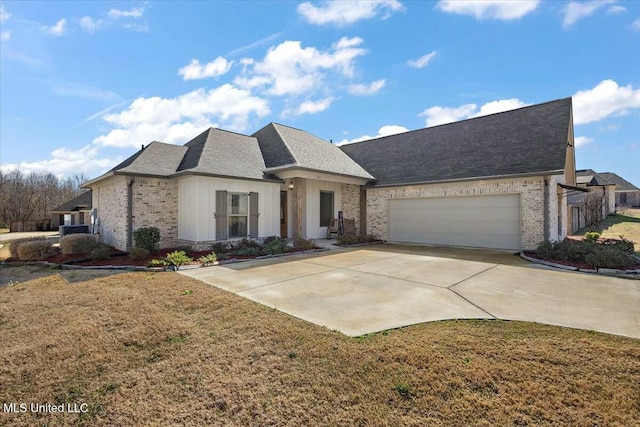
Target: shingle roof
156, 159
220, 152
622, 185
591, 178
284, 146
81, 202
518, 142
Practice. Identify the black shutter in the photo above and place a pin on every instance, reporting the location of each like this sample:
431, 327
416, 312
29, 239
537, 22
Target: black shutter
222, 224
253, 215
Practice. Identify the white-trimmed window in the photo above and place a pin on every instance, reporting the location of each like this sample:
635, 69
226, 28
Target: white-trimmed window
238, 212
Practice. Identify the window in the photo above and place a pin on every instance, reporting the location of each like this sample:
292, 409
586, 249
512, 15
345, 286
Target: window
67, 219
326, 207
238, 211
623, 198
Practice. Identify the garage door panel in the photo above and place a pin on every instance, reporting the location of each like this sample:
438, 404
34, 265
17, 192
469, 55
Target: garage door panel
477, 221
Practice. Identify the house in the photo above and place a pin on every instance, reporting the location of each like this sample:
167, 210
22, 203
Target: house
595, 183
626, 194
76, 211
497, 181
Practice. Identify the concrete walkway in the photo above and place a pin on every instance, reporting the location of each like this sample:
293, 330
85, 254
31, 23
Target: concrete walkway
359, 291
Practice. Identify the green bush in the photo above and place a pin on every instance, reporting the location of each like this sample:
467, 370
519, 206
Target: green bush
247, 251
276, 246
137, 254
147, 238
610, 257
591, 236
622, 244
157, 263
35, 250
208, 259
184, 248
220, 247
348, 239
102, 251
304, 244
15, 244
178, 258
78, 244
247, 243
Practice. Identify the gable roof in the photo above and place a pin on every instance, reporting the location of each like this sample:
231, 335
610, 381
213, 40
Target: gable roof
591, 178
284, 147
156, 159
223, 153
82, 202
524, 141
622, 185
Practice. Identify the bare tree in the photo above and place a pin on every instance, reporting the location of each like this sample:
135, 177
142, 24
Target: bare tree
594, 208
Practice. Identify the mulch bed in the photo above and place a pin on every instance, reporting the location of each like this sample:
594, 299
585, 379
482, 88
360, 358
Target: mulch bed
577, 264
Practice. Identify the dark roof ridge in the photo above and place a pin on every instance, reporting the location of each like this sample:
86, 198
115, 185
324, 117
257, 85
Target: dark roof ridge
459, 121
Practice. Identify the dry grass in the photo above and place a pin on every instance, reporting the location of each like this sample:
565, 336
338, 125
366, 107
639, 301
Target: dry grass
163, 349
4, 251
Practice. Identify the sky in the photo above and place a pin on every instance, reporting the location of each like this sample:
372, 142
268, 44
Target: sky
84, 84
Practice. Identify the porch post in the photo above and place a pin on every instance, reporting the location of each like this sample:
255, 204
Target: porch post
299, 208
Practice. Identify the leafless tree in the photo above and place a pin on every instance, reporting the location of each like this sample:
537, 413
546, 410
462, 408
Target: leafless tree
594, 208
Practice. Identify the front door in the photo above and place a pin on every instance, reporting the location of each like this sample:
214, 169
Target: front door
283, 214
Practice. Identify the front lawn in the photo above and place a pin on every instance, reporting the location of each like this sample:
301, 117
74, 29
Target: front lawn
625, 224
164, 349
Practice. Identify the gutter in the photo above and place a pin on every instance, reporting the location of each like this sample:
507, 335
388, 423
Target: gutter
130, 181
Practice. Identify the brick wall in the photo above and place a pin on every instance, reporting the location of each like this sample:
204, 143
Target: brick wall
110, 200
351, 203
531, 192
155, 204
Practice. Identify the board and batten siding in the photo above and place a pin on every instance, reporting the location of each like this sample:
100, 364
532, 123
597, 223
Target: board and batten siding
197, 206
313, 189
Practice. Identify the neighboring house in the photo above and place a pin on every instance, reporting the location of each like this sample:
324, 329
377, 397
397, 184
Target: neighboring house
497, 181
76, 211
627, 194
593, 182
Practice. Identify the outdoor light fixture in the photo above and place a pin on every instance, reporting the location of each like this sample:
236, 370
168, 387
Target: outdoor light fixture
291, 185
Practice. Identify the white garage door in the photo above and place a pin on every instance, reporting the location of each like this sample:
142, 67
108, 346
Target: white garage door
476, 221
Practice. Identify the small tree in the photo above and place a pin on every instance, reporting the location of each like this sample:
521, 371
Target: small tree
147, 238
594, 209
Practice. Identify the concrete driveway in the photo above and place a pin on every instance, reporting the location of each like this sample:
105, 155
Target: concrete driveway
359, 291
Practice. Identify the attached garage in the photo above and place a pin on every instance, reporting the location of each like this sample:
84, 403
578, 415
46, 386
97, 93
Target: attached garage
491, 221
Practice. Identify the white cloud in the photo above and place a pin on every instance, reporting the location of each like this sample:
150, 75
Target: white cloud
605, 99
636, 25
370, 89
616, 9
58, 29
438, 115
176, 119
489, 9
574, 11
89, 24
309, 107
258, 43
4, 15
423, 61
290, 69
135, 12
341, 13
5, 35
383, 131
195, 70
581, 141
65, 161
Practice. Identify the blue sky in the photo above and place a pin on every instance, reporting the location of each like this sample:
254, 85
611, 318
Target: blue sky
84, 84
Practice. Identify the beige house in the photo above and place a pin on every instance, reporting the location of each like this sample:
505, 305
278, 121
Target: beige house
76, 211
498, 181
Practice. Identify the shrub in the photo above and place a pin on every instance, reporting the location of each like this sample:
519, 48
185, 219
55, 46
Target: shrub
304, 244
178, 258
208, 259
220, 247
184, 248
81, 244
15, 244
137, 254
247, 243
247, 251
35, 250
591, 236
147, 238
276, 246
102, 251
269, 239
157, 263
610, 257
348, 239
545, 249
622, 244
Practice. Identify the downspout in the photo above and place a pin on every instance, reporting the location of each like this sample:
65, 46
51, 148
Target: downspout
130, 181
547, 211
